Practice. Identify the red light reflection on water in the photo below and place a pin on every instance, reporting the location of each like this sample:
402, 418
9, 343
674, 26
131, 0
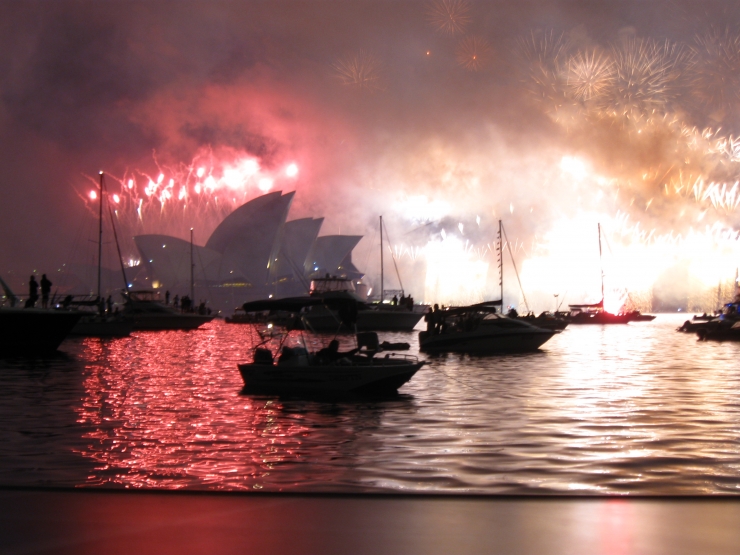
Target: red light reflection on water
164, 410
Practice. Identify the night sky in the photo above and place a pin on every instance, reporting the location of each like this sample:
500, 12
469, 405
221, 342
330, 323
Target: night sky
132, 87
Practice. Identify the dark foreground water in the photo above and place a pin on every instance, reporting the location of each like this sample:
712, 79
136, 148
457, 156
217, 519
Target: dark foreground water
635, 409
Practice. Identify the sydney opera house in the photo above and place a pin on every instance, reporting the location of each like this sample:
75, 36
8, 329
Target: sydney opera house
252, 254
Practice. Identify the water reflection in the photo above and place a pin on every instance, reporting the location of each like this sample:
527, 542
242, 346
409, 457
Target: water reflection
622, 409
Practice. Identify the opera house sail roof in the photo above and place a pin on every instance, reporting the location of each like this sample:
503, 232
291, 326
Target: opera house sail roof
254, 250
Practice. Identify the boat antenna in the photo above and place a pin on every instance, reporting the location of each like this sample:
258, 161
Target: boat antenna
192, 271
381, 261
115, 236
513, 263
601, 265
100, 234
393, 257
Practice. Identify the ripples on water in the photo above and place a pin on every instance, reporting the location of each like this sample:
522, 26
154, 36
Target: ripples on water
635, 409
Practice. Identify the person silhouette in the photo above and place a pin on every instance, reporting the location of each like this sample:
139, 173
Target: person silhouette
45, 290
33, 292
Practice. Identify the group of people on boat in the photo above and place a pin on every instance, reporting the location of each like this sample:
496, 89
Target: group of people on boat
404, 301
33, 291
186, 304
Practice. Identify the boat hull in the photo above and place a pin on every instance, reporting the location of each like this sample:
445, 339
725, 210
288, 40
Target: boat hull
599, 318
161, 322
94, 326
322, 319
383, 376
481, 343
34, 331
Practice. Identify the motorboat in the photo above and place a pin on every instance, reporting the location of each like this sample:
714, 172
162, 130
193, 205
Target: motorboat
102, 325
333, 305
725, 327
328, 372
637, 316
480, 329
32, 330
146, 311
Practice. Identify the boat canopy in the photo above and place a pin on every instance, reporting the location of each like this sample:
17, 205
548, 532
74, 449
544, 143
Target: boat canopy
296, 304
600, 304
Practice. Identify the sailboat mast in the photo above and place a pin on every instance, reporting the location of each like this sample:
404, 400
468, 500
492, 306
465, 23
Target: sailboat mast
601, 266
100, 234
501, 263
382, 295
192, 270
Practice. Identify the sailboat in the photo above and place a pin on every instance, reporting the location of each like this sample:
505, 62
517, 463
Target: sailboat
100, 323
595, 313
545, 320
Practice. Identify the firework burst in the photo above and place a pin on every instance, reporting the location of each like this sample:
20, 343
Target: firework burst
542, 56
473, 53
589, 76
449, 17
360, 70
715, 70
646, 75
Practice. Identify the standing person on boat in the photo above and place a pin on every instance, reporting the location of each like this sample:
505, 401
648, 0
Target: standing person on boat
167, 297
45, 290
33, 292
177, 301
109, 302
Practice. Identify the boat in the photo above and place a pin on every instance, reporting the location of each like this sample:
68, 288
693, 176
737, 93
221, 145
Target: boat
546, 320
480, 329
595, 313
96, 322
327, 372
725, 327
370, 316
637, 316
321, 310
146, 311
32, 331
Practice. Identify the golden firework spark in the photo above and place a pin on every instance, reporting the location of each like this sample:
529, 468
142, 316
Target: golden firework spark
542, 63
473, 53
449, 17
644, 73
590, 75
360, 70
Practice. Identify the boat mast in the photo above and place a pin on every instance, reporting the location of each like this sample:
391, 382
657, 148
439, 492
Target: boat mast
192, 270
100, 234
501, 263
601, 265
381, 261
118, 245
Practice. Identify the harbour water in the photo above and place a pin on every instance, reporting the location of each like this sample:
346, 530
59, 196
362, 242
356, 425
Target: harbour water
625, 409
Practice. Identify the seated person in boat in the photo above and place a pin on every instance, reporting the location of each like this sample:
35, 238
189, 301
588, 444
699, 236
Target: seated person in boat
331, 354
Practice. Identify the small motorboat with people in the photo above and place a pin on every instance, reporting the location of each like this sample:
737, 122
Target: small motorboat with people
329, 371
480, 329
31, 330
637, 316
546, 320
725, 327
